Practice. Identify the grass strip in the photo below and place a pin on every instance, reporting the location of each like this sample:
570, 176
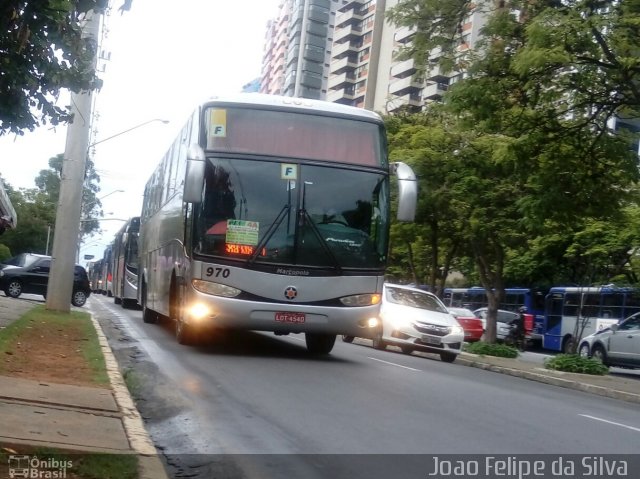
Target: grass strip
40, 318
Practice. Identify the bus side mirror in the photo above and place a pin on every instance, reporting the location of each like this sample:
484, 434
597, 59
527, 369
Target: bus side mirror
194, 177
407, 191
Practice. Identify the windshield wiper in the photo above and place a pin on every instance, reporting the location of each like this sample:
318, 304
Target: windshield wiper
270, 232
305, 218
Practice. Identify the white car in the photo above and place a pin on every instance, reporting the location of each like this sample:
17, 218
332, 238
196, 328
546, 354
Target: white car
414, 319
617, 345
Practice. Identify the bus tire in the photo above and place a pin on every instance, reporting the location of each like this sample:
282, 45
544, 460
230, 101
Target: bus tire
318, 343
185, 333
567, 345
148, 316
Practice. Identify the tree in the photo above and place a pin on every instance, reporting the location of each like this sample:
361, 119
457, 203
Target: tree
538, 156
36, 209
42, 51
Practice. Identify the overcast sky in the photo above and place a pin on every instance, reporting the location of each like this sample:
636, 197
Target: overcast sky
165, 57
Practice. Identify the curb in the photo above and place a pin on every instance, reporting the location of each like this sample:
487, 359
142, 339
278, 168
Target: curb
555, 381
150, 465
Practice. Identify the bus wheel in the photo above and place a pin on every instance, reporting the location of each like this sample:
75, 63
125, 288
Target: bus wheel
185, 334
319, 343
567, 345
148, 316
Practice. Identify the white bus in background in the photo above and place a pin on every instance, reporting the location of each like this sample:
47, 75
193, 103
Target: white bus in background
271, 213
125, 264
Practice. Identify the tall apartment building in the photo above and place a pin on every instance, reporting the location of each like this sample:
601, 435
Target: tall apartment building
298, 47
355, 55
346, 52
400, 86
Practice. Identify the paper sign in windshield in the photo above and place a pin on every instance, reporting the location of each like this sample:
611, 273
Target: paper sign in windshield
242, 232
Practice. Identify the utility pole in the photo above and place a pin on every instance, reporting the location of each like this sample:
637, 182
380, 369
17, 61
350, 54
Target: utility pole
67, 227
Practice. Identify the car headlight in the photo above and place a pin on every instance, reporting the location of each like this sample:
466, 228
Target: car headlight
361, 299
215, 289
456, 330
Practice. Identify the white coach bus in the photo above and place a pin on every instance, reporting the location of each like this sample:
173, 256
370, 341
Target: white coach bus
125, 264
271, 213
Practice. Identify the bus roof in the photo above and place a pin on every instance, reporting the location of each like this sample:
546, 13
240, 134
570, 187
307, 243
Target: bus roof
592, 289
292, 103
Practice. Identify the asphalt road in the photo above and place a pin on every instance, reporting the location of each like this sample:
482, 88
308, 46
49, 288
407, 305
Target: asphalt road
255, 393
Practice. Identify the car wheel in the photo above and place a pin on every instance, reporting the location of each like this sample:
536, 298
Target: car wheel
599, 353
347, 339
406, 349
584, 350
79, 298
14, 288
447, 357
379, 343
319, 343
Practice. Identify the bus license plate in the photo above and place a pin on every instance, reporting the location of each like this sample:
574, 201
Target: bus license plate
290, 317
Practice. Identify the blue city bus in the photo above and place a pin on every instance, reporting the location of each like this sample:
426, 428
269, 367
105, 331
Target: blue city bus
475, 297
594, 308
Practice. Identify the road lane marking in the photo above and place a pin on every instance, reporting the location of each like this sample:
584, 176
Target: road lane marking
393, 364
610, 422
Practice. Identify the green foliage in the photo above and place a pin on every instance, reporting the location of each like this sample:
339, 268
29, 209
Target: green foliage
42, 51
5, 252
491, 349
574, 363
520, 157
36, 209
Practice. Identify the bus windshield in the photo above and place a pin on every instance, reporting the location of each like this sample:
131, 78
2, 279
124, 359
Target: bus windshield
294, 135
317, 216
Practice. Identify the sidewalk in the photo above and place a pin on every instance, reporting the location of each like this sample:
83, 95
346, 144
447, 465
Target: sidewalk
73, 418
614, 386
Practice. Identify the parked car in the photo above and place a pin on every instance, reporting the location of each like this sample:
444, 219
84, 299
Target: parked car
414, 319
502, 326
472, 325
29, 273
617, 345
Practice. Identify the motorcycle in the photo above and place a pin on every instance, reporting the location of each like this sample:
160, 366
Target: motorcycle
516, 338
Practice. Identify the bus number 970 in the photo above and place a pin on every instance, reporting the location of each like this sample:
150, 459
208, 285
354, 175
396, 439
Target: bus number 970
218, 272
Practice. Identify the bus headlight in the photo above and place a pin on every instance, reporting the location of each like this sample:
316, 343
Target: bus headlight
215, 289
199, 311
361, 300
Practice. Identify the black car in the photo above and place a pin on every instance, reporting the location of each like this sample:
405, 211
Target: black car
29, 273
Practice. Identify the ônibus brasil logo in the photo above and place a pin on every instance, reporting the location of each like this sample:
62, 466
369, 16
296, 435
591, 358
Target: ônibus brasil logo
32, 467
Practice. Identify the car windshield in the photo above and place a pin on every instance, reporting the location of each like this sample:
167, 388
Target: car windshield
414, 299
506, 316
462, 312
23, 260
